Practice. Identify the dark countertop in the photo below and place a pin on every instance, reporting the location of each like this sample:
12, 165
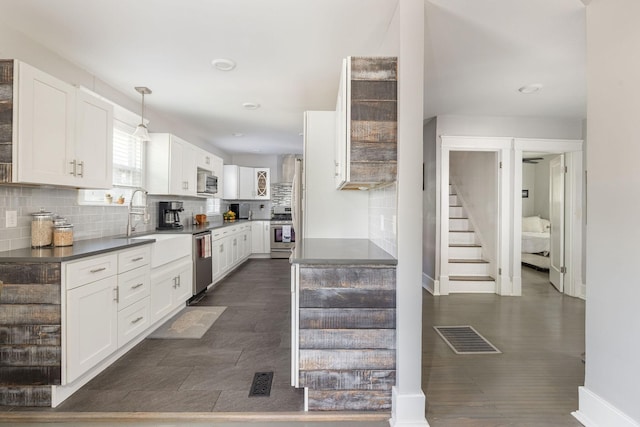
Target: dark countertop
80, 249
340, 252
90, 247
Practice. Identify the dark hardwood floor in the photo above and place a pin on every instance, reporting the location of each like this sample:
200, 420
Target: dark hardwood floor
533, 382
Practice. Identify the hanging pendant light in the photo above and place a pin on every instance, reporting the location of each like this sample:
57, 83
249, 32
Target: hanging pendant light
141, 131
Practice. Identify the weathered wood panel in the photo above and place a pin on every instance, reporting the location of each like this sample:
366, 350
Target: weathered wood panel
29, 314
6, 93
347, 338
358, 379
349, 400
30, 375
29, 294
378, 172
28, 273
5, 153
31, 334
6, 71
374, 68
6, 133
313, 360
346, 298
375, 111
349, 318
373, 152
5, 173
32, 355
347, 277
374, 90
366, 131
25, 396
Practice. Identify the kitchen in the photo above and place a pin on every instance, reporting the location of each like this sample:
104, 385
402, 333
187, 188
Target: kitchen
105, 219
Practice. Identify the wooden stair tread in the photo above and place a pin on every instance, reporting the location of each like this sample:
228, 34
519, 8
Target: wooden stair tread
472, 278
469, 261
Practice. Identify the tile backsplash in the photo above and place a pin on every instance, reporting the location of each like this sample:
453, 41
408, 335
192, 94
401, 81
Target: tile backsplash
102, 221
383, 217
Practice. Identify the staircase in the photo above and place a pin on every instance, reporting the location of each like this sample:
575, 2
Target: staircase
468, 271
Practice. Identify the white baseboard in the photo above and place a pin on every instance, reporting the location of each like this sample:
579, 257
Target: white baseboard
596, 412
408, 410
582, 291
429, 284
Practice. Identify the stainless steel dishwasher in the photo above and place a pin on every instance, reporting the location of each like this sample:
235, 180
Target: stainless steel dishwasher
202, 272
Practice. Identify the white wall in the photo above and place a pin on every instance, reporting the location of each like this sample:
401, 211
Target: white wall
612, 378
517, 127
15, 45
429, 204
271, 161
474, 175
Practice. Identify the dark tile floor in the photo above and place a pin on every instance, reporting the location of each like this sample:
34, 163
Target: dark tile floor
215, 372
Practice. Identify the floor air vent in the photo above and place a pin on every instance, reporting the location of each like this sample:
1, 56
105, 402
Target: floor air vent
465, 340
261, 385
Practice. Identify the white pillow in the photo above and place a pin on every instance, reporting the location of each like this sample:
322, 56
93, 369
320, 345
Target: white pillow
532, 224
546, 225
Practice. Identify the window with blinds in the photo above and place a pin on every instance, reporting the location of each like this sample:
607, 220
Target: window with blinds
128, 157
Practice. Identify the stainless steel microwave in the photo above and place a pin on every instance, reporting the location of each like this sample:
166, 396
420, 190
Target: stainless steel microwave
207, 183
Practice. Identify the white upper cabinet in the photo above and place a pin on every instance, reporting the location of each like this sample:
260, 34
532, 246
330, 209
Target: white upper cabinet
204, 160
64, 136
171, 166
246, 183
218, 171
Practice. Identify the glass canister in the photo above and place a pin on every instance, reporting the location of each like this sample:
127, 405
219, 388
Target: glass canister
63, 234
41, 229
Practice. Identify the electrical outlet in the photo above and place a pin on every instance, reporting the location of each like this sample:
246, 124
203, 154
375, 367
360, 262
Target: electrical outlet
12, 219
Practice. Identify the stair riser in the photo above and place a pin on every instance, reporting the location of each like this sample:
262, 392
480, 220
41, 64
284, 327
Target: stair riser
457, 212
468, 269
462, 238
465, 253
469, 286
459, 224
453, 200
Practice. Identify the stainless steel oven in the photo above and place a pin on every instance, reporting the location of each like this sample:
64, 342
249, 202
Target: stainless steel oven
283, 238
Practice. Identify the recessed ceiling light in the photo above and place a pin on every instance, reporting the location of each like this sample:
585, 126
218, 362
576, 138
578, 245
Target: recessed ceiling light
532, 88
238, 134
251, 106
223, 64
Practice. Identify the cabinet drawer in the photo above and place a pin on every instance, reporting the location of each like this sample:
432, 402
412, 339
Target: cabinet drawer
91, 269
133, 286
133, 320
133, 258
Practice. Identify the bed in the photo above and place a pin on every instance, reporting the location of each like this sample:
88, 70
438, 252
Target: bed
536, 242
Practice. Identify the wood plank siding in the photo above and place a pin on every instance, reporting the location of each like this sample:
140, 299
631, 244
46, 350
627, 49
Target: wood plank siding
373, 122
6, 120
347, 336
30, 333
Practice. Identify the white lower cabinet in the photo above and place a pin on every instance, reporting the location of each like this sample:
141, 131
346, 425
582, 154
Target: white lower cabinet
231, 245
92, 325
171, 286
260, 237
133, 320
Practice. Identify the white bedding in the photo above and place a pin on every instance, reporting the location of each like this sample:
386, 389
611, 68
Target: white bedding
533, 243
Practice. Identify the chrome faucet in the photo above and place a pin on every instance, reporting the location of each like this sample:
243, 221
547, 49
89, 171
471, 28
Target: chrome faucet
137, 211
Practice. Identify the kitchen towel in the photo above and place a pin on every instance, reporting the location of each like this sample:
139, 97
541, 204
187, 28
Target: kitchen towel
286, 234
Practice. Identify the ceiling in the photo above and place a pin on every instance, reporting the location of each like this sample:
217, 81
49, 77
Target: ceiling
288, 55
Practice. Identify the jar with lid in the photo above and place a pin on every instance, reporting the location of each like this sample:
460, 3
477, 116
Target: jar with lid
41, 229
62, 234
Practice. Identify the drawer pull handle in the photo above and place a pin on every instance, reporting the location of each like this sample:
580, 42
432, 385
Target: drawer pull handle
137, 286
136, 320
98, 270
137, 259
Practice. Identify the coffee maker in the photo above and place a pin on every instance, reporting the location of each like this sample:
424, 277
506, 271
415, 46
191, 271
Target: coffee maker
169, 215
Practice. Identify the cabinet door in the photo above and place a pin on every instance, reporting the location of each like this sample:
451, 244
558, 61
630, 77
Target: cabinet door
218, 170
216, 250
267, 237
45, 128
183, 289
246, 243
161, 294
94, 142
257, 237
177, 184
225, 251
246, 183
204, 160
231, 182
342, 127
235, 249
92, 325
262, 183
189, 170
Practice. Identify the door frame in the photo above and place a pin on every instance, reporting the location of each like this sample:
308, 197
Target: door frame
502, 147
573, 150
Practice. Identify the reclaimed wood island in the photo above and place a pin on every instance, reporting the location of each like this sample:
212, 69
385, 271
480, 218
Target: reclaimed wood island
343, 324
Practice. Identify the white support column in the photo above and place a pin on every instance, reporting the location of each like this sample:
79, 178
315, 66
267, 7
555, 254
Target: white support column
408, 398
